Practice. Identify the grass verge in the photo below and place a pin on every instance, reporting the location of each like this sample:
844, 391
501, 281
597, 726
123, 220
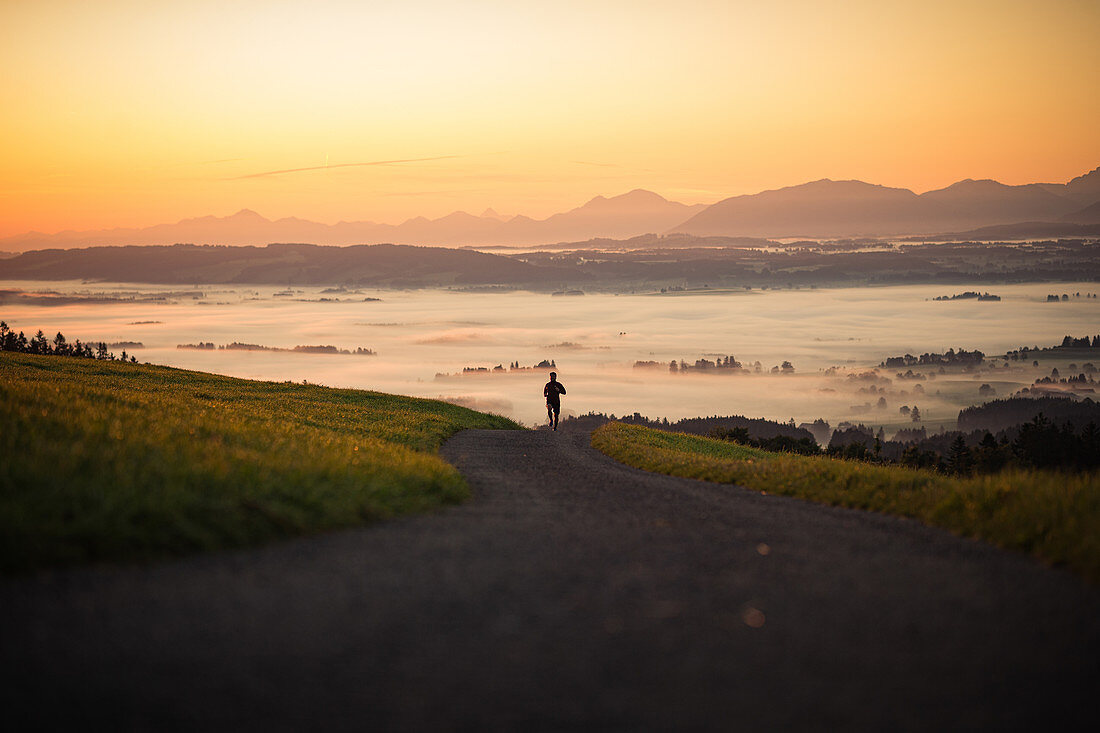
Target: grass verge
111, 461
1054, 516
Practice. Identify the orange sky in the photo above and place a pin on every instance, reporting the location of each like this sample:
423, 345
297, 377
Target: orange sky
121, 113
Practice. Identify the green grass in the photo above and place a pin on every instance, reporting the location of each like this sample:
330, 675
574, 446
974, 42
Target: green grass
105, 461
1054, 516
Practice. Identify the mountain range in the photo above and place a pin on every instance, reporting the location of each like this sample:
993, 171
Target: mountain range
823, 209
829, 208
628, 215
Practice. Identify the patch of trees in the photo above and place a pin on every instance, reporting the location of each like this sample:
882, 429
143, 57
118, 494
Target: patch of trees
869, 376
855, 442
1002, 414
1038, 443
358, 351
911, 435
913, 413
757, 428
1068, 342
1053, 298
779, 443
969, 295
238, 346
1084, 342
728, 365
59, 346
1057, 383
819, 428
962, 357
705, 365
513, 366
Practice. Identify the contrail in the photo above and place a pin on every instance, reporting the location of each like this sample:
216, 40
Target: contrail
342, 165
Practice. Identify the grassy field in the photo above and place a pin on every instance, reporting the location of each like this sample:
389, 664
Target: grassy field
111, 461
1054, 516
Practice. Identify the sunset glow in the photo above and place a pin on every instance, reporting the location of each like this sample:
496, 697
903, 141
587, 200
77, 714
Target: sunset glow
135, 113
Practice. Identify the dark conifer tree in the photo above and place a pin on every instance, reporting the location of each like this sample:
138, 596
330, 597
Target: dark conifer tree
959, 459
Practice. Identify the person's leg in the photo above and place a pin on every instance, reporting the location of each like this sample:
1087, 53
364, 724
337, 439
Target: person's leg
550, 414
557, 409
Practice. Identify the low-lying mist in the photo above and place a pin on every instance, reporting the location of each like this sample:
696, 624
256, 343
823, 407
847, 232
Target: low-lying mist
423, 340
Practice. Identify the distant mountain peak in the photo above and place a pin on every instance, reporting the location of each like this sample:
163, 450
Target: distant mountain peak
828, 188
454, 217
639, 197
641, 193
976, 183
847, 184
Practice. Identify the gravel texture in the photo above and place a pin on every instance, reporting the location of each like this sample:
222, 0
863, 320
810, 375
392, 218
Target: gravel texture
571, 593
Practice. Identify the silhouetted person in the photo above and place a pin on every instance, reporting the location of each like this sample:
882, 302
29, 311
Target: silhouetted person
553, 392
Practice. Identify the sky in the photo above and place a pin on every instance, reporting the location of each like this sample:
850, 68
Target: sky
137, 113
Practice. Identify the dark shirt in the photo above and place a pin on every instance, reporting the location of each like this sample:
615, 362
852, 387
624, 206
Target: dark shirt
552, 392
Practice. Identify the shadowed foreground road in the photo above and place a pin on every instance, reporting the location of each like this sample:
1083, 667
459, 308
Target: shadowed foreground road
571, 593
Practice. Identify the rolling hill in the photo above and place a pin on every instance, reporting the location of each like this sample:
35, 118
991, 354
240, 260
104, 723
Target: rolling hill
379, 265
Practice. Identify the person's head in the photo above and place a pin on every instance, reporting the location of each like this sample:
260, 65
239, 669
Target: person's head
553, 376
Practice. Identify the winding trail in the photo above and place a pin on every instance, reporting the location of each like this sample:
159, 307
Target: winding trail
571, 593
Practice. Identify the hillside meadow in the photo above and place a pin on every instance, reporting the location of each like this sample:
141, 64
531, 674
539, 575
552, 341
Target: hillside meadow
1054, 516
110, 461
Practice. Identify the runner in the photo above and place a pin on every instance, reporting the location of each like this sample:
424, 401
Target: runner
552, 392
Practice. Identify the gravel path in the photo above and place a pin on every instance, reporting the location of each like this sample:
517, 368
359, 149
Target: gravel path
571, 593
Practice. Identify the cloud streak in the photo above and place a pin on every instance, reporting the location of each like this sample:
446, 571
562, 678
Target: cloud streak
341, 165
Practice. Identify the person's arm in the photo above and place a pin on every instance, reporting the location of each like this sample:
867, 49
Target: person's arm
561, 387
546, 390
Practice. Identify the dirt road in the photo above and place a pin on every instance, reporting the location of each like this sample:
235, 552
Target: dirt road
571, 593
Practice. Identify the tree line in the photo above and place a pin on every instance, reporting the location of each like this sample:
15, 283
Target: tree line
59, 346
776, 443
1038, 443
757, 428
